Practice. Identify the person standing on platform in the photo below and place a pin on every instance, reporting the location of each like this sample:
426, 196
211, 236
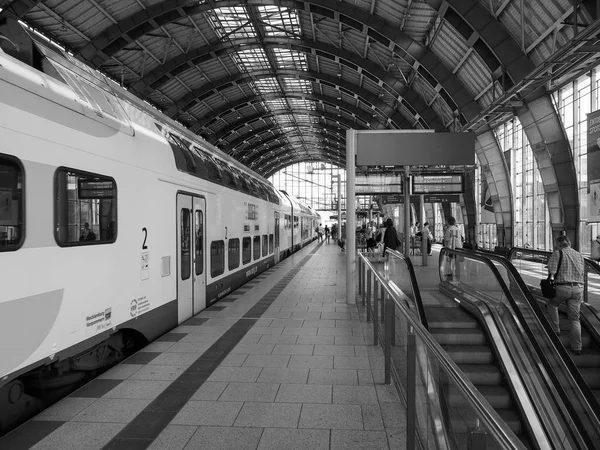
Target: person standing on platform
426, 234
327, 232
566, 265
334, 229
452, 240
390, 238
595, 255
320, 232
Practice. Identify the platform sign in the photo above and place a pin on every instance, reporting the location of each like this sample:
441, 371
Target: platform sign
95, 188
378, 183
438, 183
395, 199
593, 166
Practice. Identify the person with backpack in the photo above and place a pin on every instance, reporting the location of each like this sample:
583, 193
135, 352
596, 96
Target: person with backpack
452, 239
390, 238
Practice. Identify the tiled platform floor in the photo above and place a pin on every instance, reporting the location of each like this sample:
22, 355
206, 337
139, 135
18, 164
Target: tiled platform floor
283, 363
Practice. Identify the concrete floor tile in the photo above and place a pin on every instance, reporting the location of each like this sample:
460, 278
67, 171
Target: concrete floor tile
185, 329
265, 330
340, 315
234, 360
224, 438
304, 393
396, 438
277, 415
80, 436
311, 362
296, 323
323, 340
356, 395
334, 350
372, 418
327, 416
359, 440
122, 371
351, 362
294, 439
277, 375
299, 331
394, 415
173, 437
365, 377
335, 332
189, 347
387, 393
333, 376
138, 389
349, 340
157, 346
267, 361
250, 392
296, 349
206, 339
254, 349
208, 413
114, 410
319, 323
306, 315
361, 350
277, 339
210, 390
65, 409
242, 374
252, 339
176, 359
158, 372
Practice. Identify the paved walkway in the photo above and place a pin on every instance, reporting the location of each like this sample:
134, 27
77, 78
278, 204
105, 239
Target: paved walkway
283, 363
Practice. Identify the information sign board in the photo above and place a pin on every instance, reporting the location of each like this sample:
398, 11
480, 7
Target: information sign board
438, 183
95, 188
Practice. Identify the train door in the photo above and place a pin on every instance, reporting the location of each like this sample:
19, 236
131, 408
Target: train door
191, 278
276, 231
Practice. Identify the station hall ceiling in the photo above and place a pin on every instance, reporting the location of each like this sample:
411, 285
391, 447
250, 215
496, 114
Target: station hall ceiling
273, 83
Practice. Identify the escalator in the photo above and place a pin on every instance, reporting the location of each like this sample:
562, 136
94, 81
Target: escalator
464, 339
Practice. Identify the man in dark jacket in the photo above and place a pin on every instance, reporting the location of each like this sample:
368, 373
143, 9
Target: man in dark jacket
390, 238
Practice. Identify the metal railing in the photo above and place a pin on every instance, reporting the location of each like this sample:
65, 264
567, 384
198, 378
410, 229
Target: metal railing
419, 366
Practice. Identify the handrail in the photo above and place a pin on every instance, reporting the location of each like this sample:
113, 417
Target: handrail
491, 419
568, 365
414, 284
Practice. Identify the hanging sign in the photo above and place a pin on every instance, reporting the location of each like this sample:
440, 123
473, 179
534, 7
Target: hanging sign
593, 166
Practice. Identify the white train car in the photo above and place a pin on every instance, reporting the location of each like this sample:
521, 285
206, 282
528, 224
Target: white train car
116, 223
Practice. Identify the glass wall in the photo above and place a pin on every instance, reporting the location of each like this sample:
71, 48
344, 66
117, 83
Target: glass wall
311, 183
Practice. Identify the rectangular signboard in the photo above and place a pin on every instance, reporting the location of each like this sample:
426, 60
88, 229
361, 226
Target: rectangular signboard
378, 183
414, 148
593, 166
95, 188
389, 199
438, 183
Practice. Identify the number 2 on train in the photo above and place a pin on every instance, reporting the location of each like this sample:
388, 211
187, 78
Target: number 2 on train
145, 231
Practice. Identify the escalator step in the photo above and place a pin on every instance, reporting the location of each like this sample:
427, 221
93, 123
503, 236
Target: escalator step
565, 338
591, 375
458, 337
469, 354
446, 317
589, 358
482, 374
497, 396
464, 419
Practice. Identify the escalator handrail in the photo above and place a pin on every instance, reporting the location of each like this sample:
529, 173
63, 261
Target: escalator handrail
414, 285
572, 370
492, 420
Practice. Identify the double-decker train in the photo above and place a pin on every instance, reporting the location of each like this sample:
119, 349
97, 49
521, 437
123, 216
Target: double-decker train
116, 223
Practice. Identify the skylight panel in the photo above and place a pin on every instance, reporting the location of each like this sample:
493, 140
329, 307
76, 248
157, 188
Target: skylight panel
303, 118
266, 86
251, 59
285, 118
297, 103
231, 23
294, 84
274, 105
290, 59
279, 21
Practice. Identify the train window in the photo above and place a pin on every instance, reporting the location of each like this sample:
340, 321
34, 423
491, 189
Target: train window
199, 242
288, 220
11, 203
256, 248
185, 244
245, 187
217, 258
246, 250
214, 172
234, 254
181, 148
296, 222
277, 225
229, 178
265, 245
270, 243
85, 208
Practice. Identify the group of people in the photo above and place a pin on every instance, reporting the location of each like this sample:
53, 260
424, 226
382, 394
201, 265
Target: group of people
325, 234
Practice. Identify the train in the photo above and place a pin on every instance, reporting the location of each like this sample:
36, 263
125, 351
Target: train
117, 223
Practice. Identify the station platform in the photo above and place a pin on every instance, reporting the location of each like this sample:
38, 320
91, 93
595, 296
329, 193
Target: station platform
282, 363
